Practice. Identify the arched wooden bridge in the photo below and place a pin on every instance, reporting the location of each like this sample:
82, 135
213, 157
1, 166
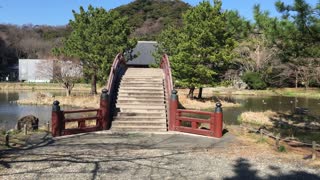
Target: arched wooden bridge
136, 100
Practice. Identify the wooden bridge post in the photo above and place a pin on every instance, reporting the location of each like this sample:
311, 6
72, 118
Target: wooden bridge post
104, 121
218, 121
173, 110
56, 119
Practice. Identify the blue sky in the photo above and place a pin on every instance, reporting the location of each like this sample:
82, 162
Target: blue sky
58, 12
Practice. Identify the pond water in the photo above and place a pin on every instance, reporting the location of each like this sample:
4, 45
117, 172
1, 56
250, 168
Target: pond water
279, 104
262, 103
10, 112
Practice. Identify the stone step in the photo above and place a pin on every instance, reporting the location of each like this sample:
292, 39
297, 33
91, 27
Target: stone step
128, 110
137, 81
139, 123
134, 86
140, 84
129, 98
138, 94
132, 79
138, 129
141, 101
139, 114
141, 88
140, 106
143, 76
139, 118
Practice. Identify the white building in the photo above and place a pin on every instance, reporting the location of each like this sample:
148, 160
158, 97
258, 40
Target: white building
31, 70
42, 70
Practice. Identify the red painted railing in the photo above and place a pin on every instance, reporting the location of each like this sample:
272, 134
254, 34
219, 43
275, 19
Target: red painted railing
117, 64
59, 120
165, 66
103, 115
212, 125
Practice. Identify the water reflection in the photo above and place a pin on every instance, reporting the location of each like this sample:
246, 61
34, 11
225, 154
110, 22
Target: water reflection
263, 103
10, 112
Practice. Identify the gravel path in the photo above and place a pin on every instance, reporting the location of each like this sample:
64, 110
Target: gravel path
147, 156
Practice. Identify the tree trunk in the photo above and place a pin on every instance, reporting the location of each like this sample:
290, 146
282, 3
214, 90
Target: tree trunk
296, 83
93, 84
307, 84
190, 94
69, 91
200, 93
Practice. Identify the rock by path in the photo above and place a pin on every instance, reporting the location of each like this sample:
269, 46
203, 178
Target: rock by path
147, 156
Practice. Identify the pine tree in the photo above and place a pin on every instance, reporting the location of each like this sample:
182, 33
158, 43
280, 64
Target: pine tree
97, 36
201, 48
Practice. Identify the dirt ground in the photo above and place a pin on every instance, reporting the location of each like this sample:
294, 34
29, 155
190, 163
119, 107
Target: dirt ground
107, 155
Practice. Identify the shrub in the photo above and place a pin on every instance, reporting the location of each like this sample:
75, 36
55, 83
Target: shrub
282, 149
254, 80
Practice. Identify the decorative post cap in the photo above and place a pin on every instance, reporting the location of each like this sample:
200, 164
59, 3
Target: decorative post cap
174, 95
55, 106
104, 90
174, 91
104, 94
218, 107
56, 103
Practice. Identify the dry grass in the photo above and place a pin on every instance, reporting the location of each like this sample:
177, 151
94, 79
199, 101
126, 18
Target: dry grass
250, 145
204, 103
76, 101
89, 123
41, 86
258, 118
269, 118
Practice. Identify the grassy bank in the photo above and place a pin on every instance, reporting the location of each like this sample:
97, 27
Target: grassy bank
290, 92
205, 103
17, 139
75, 101
41, 86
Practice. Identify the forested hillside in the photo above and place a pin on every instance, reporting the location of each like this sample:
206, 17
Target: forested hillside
147, 18
150, 17
30, 41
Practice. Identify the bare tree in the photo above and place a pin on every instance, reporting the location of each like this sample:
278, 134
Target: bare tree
254, 55
65, 72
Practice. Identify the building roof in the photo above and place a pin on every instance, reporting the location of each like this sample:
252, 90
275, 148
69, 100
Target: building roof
144, 51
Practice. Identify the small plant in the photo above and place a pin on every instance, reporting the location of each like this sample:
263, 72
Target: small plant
254, 80
262, 140
282, 148
239, 119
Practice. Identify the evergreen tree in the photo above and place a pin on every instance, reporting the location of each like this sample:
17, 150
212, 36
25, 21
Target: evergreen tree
296, 36
201, 48
97, 36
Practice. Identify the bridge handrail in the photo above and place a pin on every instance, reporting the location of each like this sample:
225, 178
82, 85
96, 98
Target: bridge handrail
165, 65
118, 60
103, 115
211, 121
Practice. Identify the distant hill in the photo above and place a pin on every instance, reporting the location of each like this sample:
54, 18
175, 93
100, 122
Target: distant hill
150, 17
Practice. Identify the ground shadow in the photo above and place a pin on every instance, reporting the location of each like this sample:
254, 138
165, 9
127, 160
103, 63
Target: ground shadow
244, 170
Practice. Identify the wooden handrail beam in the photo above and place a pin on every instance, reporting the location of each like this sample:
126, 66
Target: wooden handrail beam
188, 119
195, 112
80, 111
80, 119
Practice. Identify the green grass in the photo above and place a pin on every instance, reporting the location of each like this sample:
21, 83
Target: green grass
282, 148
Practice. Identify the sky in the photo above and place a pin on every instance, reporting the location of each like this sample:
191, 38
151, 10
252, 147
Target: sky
59, 12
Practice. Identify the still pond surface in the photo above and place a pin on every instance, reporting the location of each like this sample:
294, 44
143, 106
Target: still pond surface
11, 112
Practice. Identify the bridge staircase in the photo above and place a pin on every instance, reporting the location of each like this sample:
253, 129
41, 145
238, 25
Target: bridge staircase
138, 100
140, 104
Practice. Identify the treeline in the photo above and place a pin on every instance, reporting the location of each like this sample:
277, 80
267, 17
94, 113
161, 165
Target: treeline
149, 17
30, 41
214, 46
